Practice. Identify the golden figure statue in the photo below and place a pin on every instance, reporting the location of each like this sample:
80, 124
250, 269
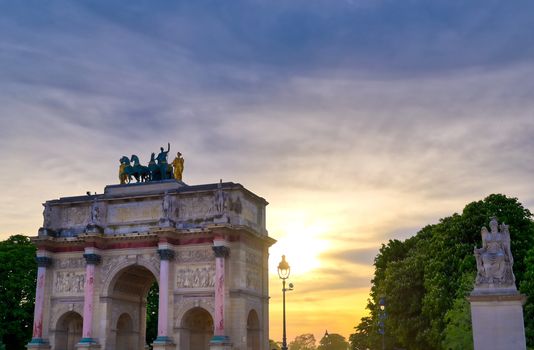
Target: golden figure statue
122, 172
178, 164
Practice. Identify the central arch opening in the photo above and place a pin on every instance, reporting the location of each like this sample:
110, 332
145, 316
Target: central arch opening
129, 311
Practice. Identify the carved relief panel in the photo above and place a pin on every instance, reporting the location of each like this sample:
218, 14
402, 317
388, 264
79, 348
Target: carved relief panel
253, 271
196, 276
69, 282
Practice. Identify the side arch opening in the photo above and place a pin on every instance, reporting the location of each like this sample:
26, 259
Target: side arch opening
68, 330
197, 329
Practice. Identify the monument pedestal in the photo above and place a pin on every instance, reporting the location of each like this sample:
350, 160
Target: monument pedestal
497, 321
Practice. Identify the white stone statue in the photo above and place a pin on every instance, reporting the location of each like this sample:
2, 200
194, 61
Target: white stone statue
166, 205
494, 259
95, 213
220, 199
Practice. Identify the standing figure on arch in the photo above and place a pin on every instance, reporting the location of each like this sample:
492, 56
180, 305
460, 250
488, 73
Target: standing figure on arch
178, 164
162, 161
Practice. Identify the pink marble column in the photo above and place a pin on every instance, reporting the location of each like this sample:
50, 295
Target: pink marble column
92, 260
221, 252
42, 262
166, 255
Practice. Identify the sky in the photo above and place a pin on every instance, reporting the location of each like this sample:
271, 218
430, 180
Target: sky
359, 121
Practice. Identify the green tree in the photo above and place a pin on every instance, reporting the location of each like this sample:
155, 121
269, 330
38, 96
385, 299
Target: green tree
333, 341
273, 345
426, 277
152, 304
303, 342
18, 273
527, 287
366, 335
458, 332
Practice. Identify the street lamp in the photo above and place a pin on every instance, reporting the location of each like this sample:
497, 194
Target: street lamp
382, 316
283, 272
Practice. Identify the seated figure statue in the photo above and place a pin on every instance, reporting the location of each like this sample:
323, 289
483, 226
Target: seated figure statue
494, 259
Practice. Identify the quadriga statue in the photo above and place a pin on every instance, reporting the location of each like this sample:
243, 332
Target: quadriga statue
494, 259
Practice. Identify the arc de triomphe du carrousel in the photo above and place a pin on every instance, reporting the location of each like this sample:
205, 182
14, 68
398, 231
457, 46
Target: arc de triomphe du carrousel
206, 246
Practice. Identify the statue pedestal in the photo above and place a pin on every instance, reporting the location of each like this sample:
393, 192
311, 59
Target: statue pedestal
497, 319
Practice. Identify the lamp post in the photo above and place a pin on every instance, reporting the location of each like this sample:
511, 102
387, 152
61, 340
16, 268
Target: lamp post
283, 272
382, 316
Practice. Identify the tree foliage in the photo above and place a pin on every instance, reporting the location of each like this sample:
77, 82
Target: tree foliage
18, 273
303, 342
273, 345
152, 304
333, 341
426, 278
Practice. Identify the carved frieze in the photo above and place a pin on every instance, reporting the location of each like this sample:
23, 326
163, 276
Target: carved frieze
195, 277
136, 211
195, 208
195, 255
69, 263
70, 282
75, 216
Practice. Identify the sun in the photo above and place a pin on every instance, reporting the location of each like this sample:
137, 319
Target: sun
302, 244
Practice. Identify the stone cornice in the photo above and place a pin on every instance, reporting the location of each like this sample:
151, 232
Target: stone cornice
497, 297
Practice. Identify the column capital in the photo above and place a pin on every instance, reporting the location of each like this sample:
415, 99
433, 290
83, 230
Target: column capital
43, 261
221, 251
92, 258
166, 254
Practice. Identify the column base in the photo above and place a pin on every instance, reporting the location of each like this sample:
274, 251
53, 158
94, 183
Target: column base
163, 343
88, 344
220, 342
38, 343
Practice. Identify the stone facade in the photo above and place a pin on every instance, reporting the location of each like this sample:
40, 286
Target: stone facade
206, 246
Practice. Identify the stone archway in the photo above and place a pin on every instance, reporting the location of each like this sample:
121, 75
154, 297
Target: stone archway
127, 295
253, 331
197, 329
68, 331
